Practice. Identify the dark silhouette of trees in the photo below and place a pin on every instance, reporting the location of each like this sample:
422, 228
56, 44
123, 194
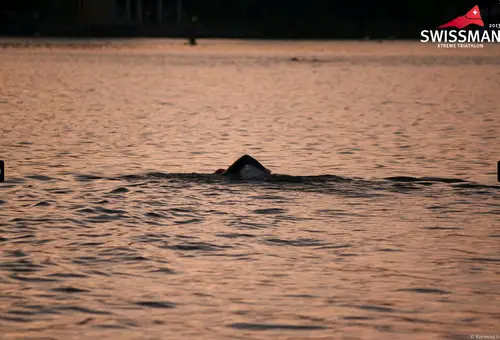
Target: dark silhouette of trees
241, 18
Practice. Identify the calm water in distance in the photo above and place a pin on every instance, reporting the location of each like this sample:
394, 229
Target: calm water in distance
110, 226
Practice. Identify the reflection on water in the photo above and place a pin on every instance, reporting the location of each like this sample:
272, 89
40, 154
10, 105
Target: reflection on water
383, 219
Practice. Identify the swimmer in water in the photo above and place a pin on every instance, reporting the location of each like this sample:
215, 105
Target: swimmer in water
246, 167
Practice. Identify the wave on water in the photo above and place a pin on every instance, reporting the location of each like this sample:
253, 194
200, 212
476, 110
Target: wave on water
207, 178
318, 183
281, 178
327, 184
200, 177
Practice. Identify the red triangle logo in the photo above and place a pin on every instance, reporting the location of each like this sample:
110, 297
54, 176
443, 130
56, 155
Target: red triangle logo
471, 17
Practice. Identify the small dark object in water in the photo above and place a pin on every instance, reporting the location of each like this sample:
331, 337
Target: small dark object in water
245, 167
192, 31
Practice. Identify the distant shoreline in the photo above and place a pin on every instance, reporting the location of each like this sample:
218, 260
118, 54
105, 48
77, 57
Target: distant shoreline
173, 31
90, 43
297, 51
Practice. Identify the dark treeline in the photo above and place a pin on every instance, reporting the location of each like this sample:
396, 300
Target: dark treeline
240, 18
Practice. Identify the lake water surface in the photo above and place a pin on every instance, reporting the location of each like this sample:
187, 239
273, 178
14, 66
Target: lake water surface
386, 225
